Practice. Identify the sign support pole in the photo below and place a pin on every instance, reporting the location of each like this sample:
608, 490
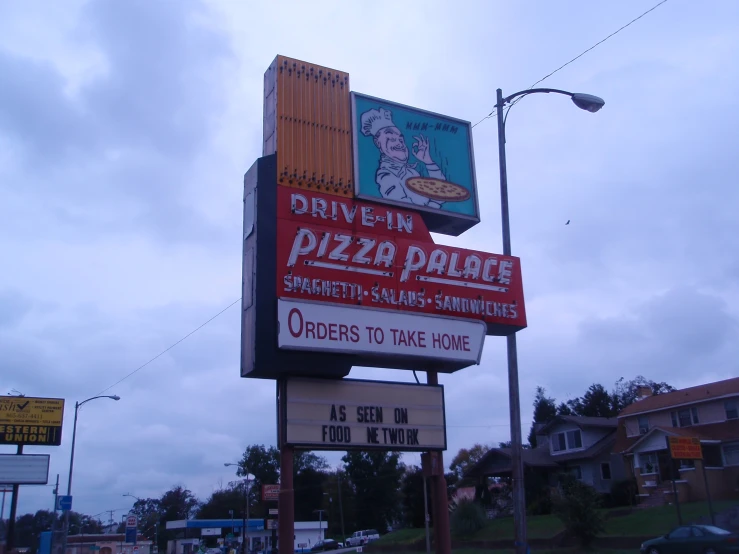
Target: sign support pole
708, 492
439, 498
10, 538
673, 468
286, 506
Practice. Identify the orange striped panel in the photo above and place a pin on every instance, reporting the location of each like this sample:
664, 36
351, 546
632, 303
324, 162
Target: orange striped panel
307, 122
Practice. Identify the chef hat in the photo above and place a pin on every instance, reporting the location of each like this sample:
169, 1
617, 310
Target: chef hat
374, 120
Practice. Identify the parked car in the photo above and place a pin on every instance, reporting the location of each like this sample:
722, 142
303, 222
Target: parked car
705, 539
360, 538
326, 544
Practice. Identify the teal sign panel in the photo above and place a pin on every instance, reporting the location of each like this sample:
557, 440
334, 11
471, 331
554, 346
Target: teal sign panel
417, 160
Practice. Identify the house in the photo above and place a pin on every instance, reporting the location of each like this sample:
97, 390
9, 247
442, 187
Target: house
578, 445
709, 413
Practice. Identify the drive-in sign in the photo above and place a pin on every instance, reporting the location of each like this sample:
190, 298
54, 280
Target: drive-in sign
347, 252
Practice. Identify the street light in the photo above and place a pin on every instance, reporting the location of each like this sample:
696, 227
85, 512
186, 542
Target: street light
244, 533
77, 406
589, 103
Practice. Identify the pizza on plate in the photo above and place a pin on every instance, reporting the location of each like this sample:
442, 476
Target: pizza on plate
436, 189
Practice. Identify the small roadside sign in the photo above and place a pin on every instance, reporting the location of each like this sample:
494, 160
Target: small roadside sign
270, 493
64, 503
685, 448
273, 511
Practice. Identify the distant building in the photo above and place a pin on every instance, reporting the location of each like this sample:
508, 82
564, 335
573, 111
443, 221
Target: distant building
107, 544
580, 446
198, 534
709, 413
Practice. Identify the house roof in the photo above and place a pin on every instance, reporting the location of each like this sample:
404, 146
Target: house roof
721, 431
580, 421
539, 457
683, 396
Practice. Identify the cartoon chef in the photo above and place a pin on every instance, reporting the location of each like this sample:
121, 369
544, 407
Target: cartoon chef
394, 169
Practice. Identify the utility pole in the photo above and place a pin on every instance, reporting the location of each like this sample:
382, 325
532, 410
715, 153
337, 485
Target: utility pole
320, 522
341, 510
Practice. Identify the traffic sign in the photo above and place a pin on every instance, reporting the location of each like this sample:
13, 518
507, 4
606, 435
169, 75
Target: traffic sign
64, 503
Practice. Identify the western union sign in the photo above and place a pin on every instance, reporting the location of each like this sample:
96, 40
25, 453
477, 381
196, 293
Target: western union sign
26, 420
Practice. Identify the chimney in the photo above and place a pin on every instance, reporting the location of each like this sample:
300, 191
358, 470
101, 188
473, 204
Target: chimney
643, 392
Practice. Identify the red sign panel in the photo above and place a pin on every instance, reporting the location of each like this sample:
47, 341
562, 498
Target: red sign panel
270, 493
685, 448
340, 251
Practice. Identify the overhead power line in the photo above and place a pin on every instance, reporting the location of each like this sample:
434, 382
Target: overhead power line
170, 347
580, 55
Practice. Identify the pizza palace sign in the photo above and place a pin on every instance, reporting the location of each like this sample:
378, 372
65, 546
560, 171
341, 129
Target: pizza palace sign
349, 252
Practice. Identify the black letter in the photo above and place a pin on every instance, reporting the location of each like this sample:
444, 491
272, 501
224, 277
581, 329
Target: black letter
342, 413
333, 413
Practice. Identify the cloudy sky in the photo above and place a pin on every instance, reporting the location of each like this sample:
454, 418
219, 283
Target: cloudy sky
126, 127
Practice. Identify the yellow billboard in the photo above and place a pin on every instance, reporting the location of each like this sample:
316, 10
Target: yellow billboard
27, 420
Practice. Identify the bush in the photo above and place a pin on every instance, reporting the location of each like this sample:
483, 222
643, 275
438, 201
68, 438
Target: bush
467, 519
576, 504
623, 493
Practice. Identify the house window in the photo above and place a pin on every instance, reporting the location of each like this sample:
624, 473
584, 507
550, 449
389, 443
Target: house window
574, 439
687, 464
731, 409
605, 471
731, 454
643, 424
648, 462
685, 417
567, 440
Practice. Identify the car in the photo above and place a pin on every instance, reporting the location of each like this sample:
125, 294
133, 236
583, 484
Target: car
326, 544
361, 538
702, 539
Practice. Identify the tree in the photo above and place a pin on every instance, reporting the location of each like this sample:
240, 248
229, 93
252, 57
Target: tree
262, 462
563, 409
465, 459
28, 527
178, 503
545, 410
596, 402
222, 502
149, 513
627, 392
576, 504
375, 477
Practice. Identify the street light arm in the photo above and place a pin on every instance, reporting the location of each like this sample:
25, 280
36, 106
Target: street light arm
507, 99
112, 397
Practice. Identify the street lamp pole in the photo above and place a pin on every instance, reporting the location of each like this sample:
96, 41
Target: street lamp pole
589, 103
77, 406
244, 533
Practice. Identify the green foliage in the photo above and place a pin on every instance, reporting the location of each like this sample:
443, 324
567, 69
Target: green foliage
467, 519
623, 493
464, 460
545, 410
576, 505
375, 478
222, 502
411, 489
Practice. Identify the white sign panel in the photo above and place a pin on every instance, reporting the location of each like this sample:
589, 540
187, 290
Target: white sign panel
210, 531
24, 469
131, 521
343, 329
348, 414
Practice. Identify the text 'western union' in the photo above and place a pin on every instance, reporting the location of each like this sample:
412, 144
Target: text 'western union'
24, 433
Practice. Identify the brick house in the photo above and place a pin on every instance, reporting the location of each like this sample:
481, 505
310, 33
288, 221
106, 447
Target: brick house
581, 446
709, 413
